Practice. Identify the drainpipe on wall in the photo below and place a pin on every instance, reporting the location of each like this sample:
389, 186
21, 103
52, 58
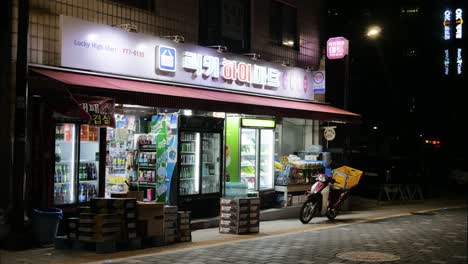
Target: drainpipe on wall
6, 111
21, 146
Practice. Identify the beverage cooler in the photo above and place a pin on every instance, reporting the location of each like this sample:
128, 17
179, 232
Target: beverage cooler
200, 165
76, 170
257, 153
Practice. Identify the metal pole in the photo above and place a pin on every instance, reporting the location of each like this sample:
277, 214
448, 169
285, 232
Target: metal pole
346, 82
347, 141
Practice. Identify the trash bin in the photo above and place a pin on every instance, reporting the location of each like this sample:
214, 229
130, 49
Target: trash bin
45, 224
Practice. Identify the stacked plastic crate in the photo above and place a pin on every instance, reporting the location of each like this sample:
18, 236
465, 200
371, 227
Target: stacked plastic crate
72, 227
125, 208
185, 233
170, 224
99, 227
239, 215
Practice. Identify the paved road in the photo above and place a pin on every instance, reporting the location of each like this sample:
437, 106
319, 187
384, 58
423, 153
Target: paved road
438, 238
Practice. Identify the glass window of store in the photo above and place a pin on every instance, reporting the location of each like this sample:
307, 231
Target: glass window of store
300, 153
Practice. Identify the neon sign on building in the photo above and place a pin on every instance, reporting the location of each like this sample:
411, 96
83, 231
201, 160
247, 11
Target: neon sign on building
458, 23
446, 62
446, 23
459, 61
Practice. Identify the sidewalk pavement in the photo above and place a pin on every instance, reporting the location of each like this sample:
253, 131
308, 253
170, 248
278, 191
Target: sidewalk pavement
365, 210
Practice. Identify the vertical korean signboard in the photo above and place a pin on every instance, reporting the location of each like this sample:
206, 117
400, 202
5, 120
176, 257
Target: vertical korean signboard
101, 110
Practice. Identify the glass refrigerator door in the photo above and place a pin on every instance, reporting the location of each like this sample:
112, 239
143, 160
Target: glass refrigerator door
211, 167
88, 168
248, 157
189, 174
64, 171
266, 158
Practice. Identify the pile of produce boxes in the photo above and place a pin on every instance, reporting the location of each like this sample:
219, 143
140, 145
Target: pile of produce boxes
239, 215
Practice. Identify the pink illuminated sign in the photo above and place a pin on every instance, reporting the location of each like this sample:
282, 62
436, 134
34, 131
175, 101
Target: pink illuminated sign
337, 48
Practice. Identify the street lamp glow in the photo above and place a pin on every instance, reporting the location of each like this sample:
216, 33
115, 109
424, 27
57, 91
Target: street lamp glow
373, 31
375, 128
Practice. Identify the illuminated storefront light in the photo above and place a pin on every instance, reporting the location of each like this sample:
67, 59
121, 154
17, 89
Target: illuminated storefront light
446, 62
446, 23
458, 23
459, 61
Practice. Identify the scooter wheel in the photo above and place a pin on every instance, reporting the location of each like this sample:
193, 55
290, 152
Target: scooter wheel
307, 211
331, 214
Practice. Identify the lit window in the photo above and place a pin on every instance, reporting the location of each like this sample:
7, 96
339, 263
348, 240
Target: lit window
283, 24
410, 11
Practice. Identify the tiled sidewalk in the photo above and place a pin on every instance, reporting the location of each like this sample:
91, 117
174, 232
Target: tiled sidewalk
211, 236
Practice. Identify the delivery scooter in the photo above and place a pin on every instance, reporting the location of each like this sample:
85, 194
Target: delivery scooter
322, 199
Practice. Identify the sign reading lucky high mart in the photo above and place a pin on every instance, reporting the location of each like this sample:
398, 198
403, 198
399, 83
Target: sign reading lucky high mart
102, 48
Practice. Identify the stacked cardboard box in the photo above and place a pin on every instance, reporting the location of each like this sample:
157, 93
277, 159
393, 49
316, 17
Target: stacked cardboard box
239, 215
234, 216
185, 233
72, 227
150, 217
254, 215
99, 227
170, 224
125, 208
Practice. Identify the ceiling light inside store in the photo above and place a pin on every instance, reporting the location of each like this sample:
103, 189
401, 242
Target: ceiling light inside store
187, 112
219, 114
135, 106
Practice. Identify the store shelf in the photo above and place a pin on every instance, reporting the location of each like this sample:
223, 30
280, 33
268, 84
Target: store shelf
188, 164
187, 152
147, 167
248, 154
186, 140
211, 162
60, 183
63, 141
87, 181
186, 179
248, 176
144, 183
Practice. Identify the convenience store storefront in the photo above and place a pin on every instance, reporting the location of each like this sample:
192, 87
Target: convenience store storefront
166, 79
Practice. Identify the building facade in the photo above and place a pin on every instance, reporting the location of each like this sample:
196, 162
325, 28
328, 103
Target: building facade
283, 32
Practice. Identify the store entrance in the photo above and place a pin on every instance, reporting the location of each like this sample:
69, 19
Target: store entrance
166, 155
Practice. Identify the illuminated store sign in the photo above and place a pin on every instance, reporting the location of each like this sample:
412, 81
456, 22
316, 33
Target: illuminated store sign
459, 61
102, 48
337, 48
209, 66
446, 62
458, 23
447, 22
